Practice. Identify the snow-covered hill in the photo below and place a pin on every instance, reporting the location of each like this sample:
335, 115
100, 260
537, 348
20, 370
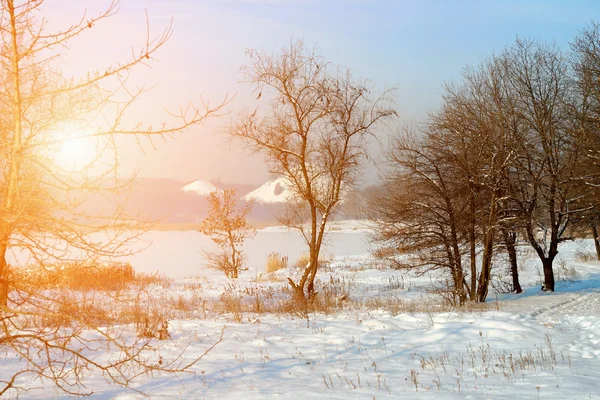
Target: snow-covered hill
280, 191
273, 192
200, 187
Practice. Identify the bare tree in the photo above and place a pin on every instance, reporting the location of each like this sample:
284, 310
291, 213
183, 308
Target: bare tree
419, 211
585, 113
476, 124
228, 228
43, 204
504, 153
313, 131
545, 170
447, 190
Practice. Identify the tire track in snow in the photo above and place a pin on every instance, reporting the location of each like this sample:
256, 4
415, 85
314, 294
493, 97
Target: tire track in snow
580, 315
561, 306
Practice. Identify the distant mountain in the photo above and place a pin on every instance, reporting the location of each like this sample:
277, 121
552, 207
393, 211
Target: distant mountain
271, 198
202, 188
193, 206
275, 191
173, 201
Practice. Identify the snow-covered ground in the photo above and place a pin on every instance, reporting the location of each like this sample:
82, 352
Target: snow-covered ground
386, 340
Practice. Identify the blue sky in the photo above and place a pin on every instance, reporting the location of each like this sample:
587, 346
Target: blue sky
413, 45
417, 45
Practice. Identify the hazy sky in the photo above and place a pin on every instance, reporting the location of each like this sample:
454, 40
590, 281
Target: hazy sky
414, 45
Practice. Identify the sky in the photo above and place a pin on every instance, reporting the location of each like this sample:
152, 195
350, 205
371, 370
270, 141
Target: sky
415, 46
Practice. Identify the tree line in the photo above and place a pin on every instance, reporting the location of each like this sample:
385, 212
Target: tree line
511, 154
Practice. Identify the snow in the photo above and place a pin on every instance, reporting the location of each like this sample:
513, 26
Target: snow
280, 191
533, 345
202, 188
274, 191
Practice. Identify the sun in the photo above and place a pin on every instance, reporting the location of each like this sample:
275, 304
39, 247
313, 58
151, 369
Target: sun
76, 154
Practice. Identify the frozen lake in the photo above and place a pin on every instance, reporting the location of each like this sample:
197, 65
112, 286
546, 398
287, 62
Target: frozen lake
179, 253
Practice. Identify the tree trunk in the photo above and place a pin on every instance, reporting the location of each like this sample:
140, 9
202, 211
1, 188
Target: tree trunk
473, 248
596, 242
3, 293
15, 158
459, 280
510, 239
3, 280
315, 251
310, 290
314, 262
486, 267
298, 297
548, 274
547, 261
489, 236
457, 276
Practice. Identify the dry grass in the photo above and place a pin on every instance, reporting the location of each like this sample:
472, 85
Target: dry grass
148, 322
384, 252
565, 272
302, 261
584, 255
480, 361
99, 296
82, 277
63, 307
77, 296
333, 295
276, 262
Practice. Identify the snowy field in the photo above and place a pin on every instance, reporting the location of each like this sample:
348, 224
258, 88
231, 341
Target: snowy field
387, 339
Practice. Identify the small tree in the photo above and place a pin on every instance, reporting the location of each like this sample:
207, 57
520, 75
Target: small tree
228, 228
418, 210
314, 132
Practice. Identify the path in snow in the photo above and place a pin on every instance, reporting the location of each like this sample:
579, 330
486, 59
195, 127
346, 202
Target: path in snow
573, 312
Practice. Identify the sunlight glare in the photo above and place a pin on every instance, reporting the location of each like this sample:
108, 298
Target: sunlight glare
76, 154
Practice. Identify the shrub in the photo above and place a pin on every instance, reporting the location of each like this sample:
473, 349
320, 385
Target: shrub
276, 261
76, 276
151, 324
108, 277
